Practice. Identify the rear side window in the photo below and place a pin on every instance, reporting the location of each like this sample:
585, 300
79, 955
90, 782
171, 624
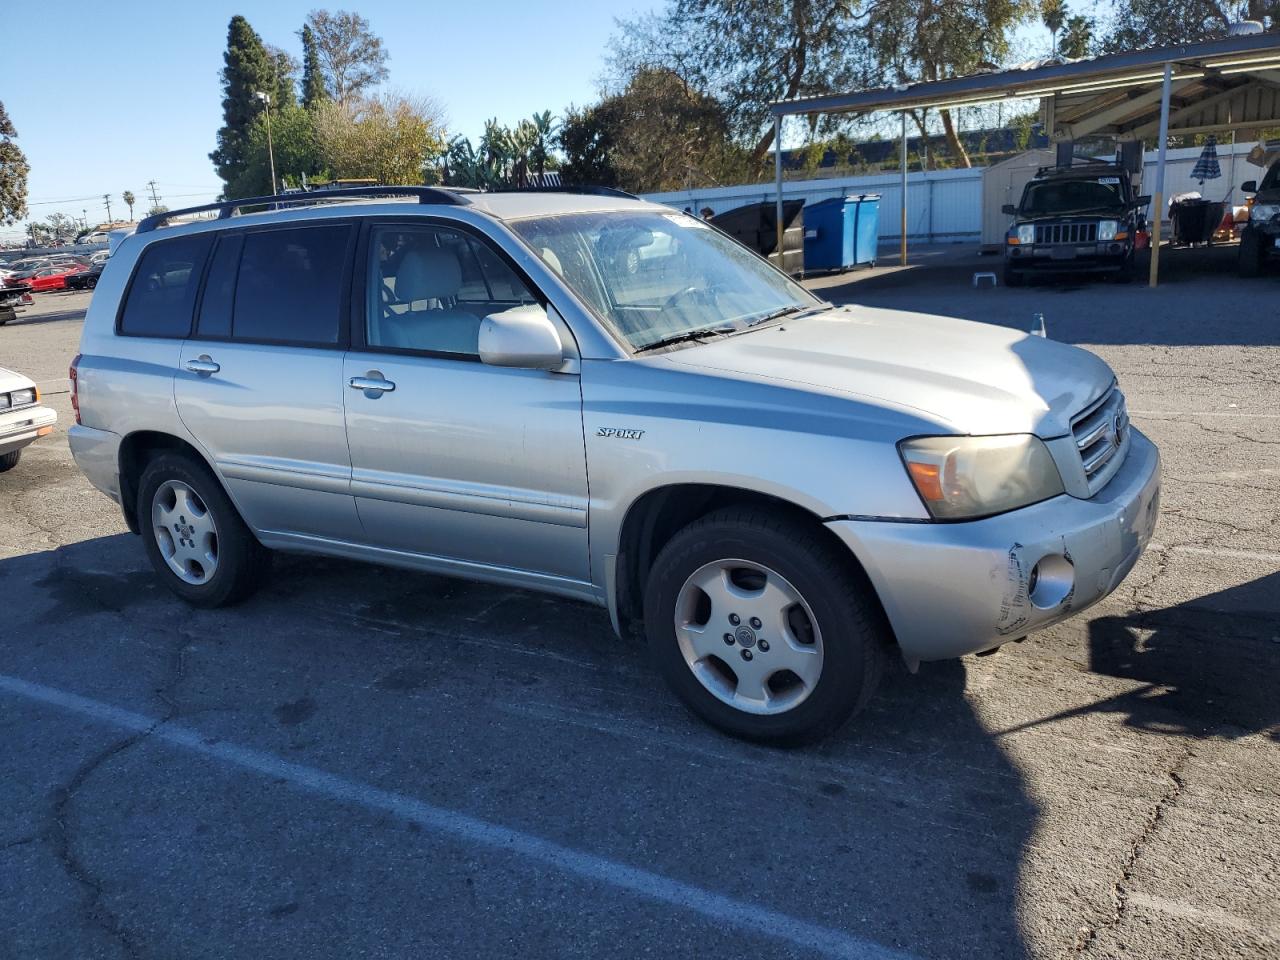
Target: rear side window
162, 293
289, 286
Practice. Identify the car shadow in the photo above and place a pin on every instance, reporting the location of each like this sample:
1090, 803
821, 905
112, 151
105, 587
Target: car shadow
906, 829
1203, 668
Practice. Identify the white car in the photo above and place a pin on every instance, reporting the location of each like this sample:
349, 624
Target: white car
22, 418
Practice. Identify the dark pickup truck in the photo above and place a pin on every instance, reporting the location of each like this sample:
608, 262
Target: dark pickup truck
1075, 219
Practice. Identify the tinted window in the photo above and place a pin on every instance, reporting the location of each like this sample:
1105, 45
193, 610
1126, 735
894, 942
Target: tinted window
163, 291
220, 288
429, 288
290, 285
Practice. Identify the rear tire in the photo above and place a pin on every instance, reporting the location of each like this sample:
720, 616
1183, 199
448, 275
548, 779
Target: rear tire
195, 539
804, 606
9, 460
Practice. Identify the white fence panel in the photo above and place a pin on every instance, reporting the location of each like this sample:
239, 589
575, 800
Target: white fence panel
945, 206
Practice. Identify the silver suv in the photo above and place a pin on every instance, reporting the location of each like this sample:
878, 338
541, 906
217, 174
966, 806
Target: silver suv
604, 399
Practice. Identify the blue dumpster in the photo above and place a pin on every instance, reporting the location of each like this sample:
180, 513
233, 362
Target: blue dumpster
841, 232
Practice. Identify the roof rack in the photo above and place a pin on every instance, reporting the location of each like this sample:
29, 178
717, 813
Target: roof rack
585, 189
229, 208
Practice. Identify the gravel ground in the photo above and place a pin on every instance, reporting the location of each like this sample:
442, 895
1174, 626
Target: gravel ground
380, 764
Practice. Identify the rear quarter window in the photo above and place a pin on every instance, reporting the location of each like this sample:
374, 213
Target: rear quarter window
162, 293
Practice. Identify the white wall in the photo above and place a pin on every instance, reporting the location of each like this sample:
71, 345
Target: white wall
945, 206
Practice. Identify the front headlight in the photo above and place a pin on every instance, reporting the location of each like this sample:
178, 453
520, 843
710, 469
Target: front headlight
1107, 229
961, 478
1026, 233
1264, 211
20, 397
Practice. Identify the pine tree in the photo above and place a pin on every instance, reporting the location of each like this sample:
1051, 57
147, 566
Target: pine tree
313, 91
13, 173
248, 68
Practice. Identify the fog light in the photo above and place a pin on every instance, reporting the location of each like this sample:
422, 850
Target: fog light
1051, 581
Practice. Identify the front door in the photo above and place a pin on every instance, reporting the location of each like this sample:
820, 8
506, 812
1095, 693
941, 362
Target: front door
480, 468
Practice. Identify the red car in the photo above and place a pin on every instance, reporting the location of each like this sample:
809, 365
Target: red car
47, 278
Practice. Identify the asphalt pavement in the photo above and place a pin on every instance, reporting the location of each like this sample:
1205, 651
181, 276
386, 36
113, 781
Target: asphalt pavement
369, 763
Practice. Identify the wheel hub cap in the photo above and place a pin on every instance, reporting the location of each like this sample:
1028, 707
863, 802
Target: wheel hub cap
748, 636
185, 532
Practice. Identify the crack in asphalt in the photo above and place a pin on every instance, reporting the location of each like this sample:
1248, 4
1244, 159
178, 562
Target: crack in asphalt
60, 834
1087, 936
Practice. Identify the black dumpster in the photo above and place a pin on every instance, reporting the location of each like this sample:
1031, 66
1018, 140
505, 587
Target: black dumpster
756, 226
1195, 220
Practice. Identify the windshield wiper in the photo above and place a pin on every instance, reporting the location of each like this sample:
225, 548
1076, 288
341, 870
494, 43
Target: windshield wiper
795, 308
687, 336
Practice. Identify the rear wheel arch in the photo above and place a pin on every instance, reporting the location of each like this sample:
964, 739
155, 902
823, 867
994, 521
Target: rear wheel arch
659, 514
139, 448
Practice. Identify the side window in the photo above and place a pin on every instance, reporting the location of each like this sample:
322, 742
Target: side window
220, 289
289, 286
429, 288
162, 293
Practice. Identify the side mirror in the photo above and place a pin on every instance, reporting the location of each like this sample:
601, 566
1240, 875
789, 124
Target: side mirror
1142, 201
523, 336
1010, 209
1249, 186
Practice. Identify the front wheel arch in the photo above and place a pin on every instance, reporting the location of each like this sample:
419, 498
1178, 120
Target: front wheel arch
660, 513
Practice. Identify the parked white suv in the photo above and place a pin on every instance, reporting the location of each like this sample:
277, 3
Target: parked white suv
775, 492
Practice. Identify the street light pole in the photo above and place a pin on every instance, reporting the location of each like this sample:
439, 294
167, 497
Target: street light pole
271, 153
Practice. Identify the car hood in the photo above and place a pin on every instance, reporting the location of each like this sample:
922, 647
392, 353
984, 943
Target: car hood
972, 378
9, 380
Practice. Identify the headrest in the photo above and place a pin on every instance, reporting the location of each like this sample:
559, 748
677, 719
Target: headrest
428, 273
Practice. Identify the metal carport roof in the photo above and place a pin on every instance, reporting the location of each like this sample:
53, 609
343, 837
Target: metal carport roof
1214, 86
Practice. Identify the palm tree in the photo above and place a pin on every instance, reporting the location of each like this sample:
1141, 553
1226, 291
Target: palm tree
129, 200
1053, 14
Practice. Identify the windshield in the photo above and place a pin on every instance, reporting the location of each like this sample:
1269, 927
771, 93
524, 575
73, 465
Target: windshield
653, 276
1272, 180
1068, 196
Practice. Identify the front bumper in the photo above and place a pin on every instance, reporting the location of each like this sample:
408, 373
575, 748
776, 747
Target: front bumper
18, 428
955, 588
1081, 258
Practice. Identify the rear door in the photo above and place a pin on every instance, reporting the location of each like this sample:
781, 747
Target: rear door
482, 467
259, 385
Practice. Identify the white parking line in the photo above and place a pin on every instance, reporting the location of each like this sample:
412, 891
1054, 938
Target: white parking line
746, 917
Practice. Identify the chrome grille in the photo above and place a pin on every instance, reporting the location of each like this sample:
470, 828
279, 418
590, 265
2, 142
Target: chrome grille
1101, 433
1066, 232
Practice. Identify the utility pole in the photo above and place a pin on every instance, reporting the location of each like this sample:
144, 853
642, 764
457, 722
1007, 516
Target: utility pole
271, 154
155, 201
106, 198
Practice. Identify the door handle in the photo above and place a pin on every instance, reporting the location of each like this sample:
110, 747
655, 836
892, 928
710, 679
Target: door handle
372, 384
203, 366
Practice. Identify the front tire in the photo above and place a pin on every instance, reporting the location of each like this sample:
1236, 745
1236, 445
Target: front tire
194, 537
1013, 278
9, 460
1251, 254
761, 628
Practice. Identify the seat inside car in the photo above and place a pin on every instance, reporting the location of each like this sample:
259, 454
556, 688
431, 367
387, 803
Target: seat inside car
427, 283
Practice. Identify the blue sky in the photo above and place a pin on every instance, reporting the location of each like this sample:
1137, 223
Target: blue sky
125, 92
